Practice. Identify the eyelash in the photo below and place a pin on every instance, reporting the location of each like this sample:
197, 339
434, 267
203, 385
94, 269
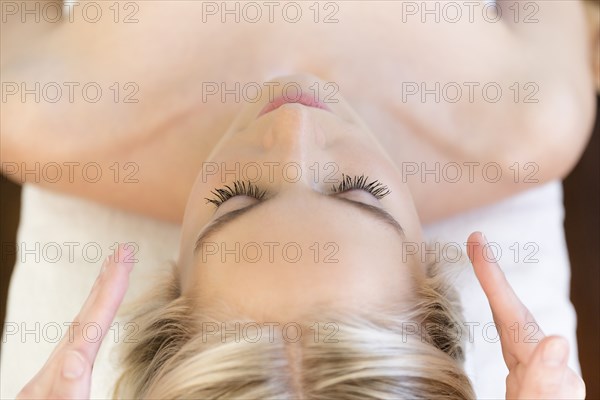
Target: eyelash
376, 188
241, 188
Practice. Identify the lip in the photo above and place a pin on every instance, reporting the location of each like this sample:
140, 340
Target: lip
305, 99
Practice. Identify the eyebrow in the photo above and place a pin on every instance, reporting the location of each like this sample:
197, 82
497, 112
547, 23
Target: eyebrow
219, 223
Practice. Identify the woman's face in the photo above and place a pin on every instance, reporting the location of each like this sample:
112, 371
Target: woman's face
276, 255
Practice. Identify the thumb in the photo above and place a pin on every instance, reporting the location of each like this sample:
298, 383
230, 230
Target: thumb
544, 376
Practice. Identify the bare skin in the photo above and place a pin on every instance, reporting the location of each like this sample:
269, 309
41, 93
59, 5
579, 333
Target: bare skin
174, 123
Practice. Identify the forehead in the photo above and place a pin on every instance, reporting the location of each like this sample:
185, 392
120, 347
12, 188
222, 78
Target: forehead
274, 262
291, 223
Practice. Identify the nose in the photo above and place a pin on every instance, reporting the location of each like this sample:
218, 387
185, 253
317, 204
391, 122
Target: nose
294, 134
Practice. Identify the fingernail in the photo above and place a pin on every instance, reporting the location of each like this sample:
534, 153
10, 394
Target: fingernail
104, 264
484, 238
126, 256
73, 365
555, 353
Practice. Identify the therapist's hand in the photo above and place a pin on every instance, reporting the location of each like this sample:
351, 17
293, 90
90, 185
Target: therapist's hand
537, 364
67, 373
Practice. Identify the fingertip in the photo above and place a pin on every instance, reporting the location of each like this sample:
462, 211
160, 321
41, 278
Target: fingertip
473, 236
105, 264
125, 256
482, 238
473, 241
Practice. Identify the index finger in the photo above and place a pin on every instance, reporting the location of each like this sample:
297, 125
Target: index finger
512, 318
101, 306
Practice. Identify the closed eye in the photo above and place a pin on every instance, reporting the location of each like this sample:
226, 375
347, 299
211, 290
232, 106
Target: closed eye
347, 183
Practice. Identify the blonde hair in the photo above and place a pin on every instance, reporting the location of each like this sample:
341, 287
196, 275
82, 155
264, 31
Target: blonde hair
410, 353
